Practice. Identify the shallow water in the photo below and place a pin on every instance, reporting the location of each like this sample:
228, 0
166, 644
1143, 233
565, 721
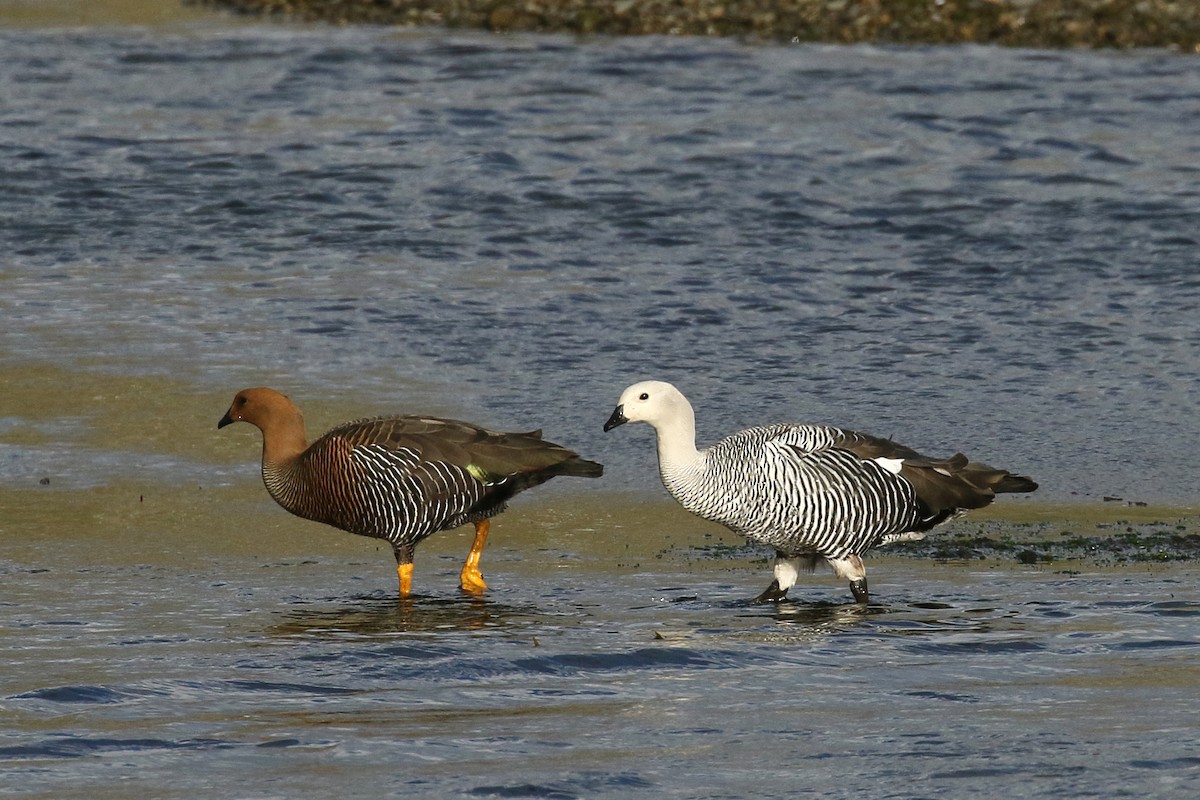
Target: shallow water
964, 248
615, 656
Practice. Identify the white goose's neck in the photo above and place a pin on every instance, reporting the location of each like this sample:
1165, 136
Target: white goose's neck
679, 462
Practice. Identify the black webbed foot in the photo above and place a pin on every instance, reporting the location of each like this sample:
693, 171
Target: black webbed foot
772, 594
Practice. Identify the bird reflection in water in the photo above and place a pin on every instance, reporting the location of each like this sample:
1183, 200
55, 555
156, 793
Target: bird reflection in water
375, 616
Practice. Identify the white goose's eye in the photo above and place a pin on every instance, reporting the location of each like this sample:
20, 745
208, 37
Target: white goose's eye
644, 396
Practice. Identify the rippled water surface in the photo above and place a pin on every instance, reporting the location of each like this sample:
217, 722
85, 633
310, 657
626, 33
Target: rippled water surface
591, 671
966, 248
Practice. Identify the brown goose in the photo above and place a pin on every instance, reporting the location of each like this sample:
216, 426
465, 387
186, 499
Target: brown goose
399, 478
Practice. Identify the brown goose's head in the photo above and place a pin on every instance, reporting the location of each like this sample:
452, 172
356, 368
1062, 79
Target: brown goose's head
260, 407
281, 423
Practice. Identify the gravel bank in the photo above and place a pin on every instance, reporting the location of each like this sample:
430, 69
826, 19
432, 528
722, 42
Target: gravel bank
1018, 23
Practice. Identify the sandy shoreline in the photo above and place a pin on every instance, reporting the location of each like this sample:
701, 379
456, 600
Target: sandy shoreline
35, 14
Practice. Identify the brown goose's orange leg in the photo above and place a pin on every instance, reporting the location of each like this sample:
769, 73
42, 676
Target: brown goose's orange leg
471, 579
404, 568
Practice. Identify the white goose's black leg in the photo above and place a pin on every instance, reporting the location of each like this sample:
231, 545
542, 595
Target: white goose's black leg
852, 569
859, 588
772, 594
786, 569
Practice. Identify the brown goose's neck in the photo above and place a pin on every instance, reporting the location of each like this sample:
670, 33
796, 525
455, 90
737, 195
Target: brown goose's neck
284, 440
282, 471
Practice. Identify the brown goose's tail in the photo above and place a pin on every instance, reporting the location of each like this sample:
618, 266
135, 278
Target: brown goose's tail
578, 468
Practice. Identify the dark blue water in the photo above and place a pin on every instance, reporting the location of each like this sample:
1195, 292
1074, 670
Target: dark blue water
967, 248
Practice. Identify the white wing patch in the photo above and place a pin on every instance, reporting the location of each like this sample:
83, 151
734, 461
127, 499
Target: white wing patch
892, 465
892, 538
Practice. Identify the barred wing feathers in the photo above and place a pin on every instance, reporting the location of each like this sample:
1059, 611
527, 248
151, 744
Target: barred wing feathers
820, 498
487, 453
818, 489
404, 478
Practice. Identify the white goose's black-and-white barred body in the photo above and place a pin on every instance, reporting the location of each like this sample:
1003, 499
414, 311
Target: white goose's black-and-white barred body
811, 492
768, 482
400, 478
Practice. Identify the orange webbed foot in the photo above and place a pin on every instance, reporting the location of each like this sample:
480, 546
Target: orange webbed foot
470, 578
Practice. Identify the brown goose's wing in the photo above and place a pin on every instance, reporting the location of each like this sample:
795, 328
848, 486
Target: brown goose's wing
488, 455
942, 484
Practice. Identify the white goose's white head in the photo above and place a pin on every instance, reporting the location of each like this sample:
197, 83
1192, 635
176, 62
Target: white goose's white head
655, 402
665, 408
